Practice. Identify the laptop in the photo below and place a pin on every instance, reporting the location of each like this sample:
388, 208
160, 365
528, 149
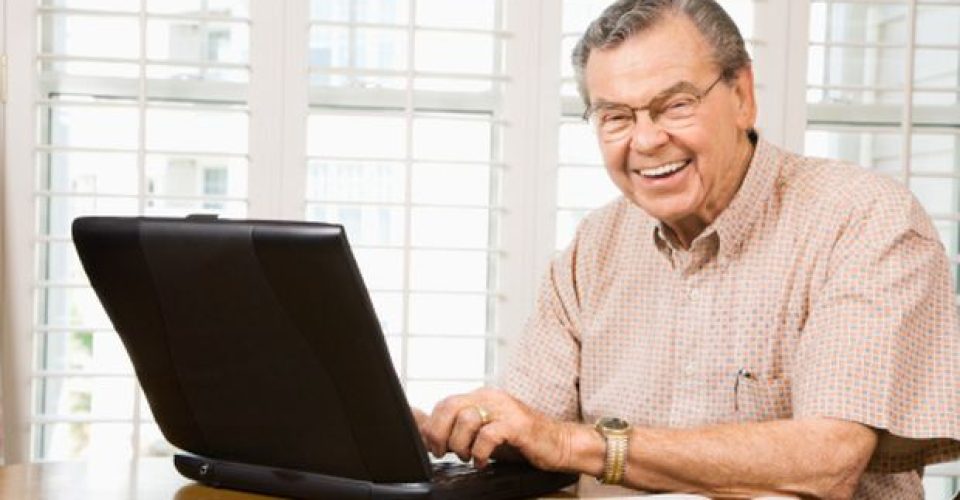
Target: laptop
260, 354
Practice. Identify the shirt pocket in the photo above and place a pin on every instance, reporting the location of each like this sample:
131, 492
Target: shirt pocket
757, 398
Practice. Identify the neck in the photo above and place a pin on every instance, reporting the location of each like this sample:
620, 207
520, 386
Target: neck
687, 229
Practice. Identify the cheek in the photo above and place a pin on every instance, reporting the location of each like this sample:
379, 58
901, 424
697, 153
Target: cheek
615, 165
614, 160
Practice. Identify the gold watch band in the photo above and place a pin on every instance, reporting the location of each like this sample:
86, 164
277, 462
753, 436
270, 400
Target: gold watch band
615, 461
616, 434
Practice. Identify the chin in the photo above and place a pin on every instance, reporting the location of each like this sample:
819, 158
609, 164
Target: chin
664, 211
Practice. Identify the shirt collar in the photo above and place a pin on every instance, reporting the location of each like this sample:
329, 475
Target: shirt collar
725, 236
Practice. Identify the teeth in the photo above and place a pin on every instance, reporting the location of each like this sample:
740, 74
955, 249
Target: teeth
668, 168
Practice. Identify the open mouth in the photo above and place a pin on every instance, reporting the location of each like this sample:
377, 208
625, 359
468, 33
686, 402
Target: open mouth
663, 171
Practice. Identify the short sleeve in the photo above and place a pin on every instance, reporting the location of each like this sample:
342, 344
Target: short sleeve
544, 361
881, 344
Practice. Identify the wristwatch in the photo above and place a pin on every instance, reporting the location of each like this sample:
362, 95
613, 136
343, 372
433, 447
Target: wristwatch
616, 432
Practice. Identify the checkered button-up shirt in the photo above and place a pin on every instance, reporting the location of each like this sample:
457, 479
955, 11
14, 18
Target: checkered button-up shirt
821, 290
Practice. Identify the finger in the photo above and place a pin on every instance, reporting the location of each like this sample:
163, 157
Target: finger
440, 424
489, 437
421, 419
464, 431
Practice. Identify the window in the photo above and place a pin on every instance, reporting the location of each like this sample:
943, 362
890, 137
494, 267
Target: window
160, 119
124, 127
403, 143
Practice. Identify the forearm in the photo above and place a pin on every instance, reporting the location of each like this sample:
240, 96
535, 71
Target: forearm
816, 457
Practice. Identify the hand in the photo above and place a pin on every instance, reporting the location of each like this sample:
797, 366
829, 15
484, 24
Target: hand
511, 427
421, 419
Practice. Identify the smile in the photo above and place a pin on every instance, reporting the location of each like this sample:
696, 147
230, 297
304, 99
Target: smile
663, 170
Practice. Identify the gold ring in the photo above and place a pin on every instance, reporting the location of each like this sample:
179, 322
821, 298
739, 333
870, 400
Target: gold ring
484, 414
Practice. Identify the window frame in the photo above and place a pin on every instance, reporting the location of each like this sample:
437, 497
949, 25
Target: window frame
18, 231
4, 310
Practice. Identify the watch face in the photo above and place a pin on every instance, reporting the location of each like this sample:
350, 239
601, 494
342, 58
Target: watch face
613, 423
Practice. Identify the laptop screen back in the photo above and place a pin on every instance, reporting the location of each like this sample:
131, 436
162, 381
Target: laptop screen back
255, 342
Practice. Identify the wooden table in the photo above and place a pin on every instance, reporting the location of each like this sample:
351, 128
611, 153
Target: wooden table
156, 479
144, 479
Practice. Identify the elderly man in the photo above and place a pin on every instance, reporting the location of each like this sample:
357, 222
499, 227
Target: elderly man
743, 320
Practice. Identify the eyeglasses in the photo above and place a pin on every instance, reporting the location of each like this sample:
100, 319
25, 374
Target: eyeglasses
672, 109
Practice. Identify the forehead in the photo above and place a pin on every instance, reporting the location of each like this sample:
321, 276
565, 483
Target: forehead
646, 63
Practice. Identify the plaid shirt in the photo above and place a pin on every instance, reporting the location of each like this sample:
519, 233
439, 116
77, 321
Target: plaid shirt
821, 290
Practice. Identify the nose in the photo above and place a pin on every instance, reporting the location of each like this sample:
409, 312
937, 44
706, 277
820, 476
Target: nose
647, 135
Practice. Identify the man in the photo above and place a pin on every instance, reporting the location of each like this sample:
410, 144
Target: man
758, 322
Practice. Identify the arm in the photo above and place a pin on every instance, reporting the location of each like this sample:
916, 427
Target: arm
817, 457
821, 458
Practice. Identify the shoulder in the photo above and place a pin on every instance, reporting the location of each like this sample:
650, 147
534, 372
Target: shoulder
607, 218
603, 236
833, 192
840, 183
603, 230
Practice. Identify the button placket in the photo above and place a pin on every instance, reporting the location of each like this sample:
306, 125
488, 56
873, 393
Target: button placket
691, 288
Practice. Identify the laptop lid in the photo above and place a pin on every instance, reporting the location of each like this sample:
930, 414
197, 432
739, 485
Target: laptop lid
255, 342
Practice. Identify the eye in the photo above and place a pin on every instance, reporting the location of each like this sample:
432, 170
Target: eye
679, 106
614, 117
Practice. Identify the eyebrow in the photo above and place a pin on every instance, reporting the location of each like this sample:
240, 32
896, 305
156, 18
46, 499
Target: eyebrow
681, 86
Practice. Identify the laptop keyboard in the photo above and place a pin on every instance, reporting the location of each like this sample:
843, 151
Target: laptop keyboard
450, 472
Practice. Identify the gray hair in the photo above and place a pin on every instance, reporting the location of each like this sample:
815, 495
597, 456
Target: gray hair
625, 18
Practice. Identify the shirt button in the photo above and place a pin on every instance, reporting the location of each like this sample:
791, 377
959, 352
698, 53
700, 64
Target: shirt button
689, 370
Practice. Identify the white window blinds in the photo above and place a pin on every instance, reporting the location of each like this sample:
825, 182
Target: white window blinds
140, 109
403, 148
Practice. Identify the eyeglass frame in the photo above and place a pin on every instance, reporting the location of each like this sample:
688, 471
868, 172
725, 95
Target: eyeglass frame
662, 95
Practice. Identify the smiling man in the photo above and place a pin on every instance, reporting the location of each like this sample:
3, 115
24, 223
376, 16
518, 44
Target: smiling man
743, 321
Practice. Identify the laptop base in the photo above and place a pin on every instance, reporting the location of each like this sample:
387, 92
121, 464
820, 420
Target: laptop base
509, 480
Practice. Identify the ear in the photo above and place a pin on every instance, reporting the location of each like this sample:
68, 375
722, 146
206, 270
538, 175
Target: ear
746, 98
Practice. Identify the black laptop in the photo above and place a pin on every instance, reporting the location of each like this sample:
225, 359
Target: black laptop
261, 356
